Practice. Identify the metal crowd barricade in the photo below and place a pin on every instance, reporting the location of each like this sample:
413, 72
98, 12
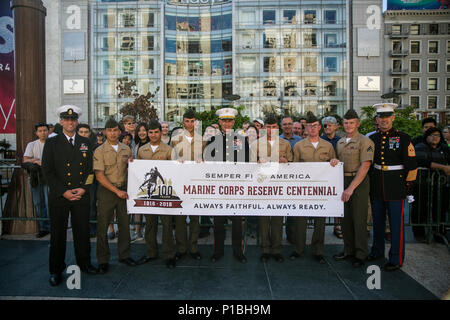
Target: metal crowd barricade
430, 184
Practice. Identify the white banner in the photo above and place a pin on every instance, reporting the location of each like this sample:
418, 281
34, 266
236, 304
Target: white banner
311, 189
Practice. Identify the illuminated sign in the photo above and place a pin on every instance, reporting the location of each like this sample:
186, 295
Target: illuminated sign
197, 2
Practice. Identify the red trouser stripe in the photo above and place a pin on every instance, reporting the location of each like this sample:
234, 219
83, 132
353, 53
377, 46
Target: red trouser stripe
400, 253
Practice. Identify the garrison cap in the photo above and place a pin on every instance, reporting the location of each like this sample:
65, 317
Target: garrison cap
226, 113
351, 114
311, 118
385, 109
68, 112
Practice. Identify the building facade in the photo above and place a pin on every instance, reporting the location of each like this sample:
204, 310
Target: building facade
285, 56
417, 60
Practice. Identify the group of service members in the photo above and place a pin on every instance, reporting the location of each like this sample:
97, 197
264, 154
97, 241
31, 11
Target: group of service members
69, 165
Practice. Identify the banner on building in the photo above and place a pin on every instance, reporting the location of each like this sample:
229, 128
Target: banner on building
310, 189
7, 100
417, 4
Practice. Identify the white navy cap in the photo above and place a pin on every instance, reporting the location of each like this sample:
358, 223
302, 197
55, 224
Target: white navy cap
68, 112
259, 121
226, 113
385, 109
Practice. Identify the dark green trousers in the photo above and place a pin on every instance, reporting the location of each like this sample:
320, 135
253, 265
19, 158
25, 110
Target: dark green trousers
151, 230
181, 234
354, 224
318, 238
108, 204
271, 230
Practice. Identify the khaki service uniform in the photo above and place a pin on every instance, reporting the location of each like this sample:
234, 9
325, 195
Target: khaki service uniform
114, 165
353, 153
271, 228
188, 151
304, 151
163, 152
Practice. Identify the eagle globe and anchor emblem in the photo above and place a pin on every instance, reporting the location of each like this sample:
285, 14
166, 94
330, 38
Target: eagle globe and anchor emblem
157, 193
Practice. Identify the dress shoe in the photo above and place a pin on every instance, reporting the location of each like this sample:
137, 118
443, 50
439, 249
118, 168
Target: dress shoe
55, 279
294, 255
129, 262
342, 256
216, 257
103, 268
145, 259
170, 263
357, 263
319, 258
278, 257
240, 257
264, 257
391, 267
179, 255
196, 255
42, 234
89, 268
372, 257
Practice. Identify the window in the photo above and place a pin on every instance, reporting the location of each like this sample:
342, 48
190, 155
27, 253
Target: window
247, 17
330, 64
310, 64
289, 40
433, 46
310, 17
269, 88
414, 83
310, 40
396, 83
148, 20
448, 84
396, 46
109, 44
127, 43
414, 29
149, 43
415, 65
270, 64
432, 102
290, 88
310, 88
329, 88
148, 65
448, 46
397, 65
432, 66
226, 45
128, 66
109, 67
128, 20
269, 17
447, 102
194, 46
195, 68
171, 45
247, 65
448, 66
171, 22
247, 40
414, 101
396, 29
289, 64
109, 20
432, 84
270, 40
434, 28
415, 47
289, 16
331, 40
330, 16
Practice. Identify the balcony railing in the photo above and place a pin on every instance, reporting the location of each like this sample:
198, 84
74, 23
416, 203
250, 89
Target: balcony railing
398, 35
398, 53
398, 71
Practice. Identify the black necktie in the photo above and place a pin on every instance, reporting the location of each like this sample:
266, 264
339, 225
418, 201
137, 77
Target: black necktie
71, 141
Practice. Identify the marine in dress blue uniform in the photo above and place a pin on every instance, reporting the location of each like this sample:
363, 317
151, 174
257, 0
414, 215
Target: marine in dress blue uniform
228, 146
67, 166
393, 172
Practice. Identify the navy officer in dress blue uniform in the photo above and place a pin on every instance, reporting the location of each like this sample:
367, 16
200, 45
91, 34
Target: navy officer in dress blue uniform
393, 173
227, 146
67, 166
